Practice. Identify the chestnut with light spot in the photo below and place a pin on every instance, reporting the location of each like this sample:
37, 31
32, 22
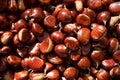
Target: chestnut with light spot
53, 74
72, 43
64, 15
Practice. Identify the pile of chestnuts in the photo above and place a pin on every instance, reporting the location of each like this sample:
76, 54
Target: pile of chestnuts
59, 40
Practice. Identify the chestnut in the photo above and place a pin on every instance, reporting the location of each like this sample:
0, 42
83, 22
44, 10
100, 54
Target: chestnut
61, 50
37, 14
115, 73
102, 75
114, 8
46, 45
24, 35
6, 37
17, 26
70, 29
116, 56
95, 4
103, 17
50, 21
64, 15
48, 67
14, 60
113, 44
57, 36
54, 59
26, 14
25, 63
35, 63
91, 13
21, 75
97, 56
75, 55
53, 74
83, 20
83, 35
34, 51
70, 73
98, 32
72, 43
38, 76
108, 63
84, 63
37, 29
17, 42
5, 50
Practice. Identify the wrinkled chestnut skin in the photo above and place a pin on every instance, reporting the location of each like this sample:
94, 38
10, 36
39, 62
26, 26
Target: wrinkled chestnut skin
95, 4
84, 63
98, 32
102, 75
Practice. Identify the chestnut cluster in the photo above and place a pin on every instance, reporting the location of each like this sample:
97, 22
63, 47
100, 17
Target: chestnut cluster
59, 40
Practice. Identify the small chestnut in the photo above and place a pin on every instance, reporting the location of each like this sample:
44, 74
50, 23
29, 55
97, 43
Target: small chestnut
53, 74
70, 73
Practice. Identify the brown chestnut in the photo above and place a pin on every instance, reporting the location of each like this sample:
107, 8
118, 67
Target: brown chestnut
53, 74
6, 37
83, 20
70, 73
61, 50
64, 15
83, 35
98, 32
114, 8
21, 75
115, 73
102, 75
72, 43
